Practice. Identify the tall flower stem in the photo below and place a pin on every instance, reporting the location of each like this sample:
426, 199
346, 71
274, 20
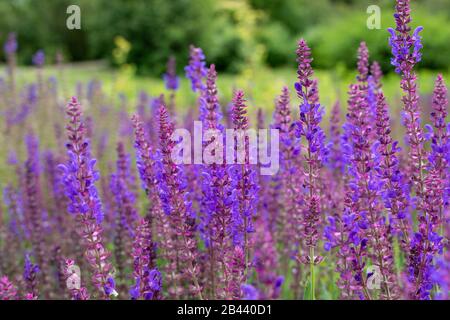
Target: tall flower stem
79, 178
308, 127
311, 268
177, 205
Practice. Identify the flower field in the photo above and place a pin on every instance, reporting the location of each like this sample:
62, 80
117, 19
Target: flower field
102, 199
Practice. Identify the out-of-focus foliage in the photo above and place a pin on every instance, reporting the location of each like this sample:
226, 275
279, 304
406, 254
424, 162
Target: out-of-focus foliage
295, 15
232, 33
42, 24
156, 29
334, 42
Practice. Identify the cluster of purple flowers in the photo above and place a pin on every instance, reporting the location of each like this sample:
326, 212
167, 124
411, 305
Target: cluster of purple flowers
353, 213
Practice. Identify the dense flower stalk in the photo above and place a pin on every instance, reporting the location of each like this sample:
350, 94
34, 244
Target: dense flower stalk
363, 66
290, 182
56, 190
235, 266
10, 46
217, 194
440, 136
309, 127
171, 81
7, 290
335, 159
121, 241
405, 46
39, 58
80, 177
149, 174
211, 101
34, 210
243, 180
406, 51
343, 233
121, 185
367, 185
264, 182
406, 54
30, 276
196, 71
146, 167
58, 262
209, 198
282, 115
426, 244
377, 75
266, 264
147, 277
14, 207
170, 77
442, 274
174, 201
395, 192
275, 202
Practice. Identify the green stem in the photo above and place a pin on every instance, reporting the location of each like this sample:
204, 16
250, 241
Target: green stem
311, 257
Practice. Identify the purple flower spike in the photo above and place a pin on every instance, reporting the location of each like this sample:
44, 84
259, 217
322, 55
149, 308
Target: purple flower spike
316, 152
244, 181
147, 278
79, 178
10, 46
377, 75
405, 46
121, 186
170, 77
402, 41
440, 138
218, 198
30, 275
175, 201
7, 290
363, 62
394, 191
335, 159
235, 265
196, 70
39, 58
371, 227
427, 244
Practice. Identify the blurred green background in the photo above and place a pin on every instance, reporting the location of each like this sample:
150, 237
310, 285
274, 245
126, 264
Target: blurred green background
126, 43
233, 33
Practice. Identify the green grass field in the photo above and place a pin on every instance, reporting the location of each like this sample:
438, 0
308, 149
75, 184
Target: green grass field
261, 84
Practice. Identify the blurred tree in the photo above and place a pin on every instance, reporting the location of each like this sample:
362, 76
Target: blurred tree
155, 28
338, 40
295, 15
235, 34
42, 25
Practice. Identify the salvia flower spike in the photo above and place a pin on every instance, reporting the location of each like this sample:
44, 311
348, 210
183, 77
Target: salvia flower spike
80, 177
